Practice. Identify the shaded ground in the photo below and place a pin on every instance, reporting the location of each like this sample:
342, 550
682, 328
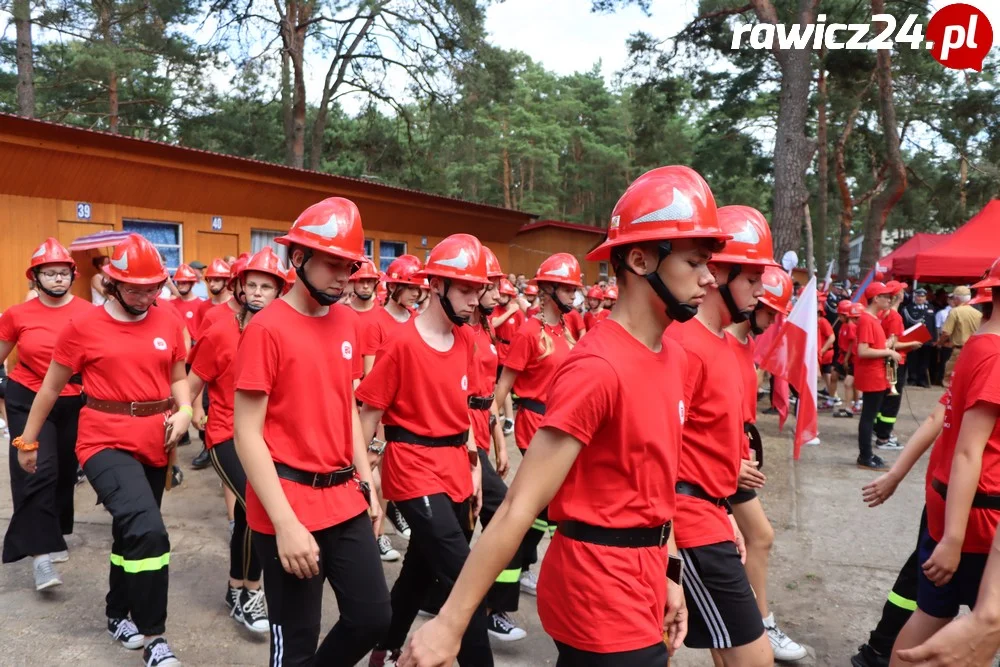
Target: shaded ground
832, 564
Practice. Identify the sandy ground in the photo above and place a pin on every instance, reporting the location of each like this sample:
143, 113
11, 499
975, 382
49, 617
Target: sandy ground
832, 564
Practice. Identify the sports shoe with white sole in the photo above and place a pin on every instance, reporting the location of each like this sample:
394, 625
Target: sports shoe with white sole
123, 630
888, 445
501, 627
385, 550
398, 521
508, 426
59, 556
158, 654
232, 600
813, 442
529, 583
253, 611
45, 574
781, 644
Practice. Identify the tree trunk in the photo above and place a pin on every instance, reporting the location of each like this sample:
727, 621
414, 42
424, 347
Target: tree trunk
822, 173
505, 164
293, 37
793, 150
105, 24
25, 59
810, 242
885, 200
846, 201
286, 102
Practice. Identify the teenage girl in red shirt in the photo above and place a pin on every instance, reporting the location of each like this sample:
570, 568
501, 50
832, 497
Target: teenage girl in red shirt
506, 323
43, 502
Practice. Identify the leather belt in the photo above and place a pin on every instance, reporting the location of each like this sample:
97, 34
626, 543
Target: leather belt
530, 404
480, 402
631, 538
133, 409
400, 434
317, 480
756, 443
983, 501
695, 491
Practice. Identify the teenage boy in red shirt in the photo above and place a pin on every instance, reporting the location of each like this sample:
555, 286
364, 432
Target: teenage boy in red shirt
299, 440
870, 371
403, 281
506, 323
603, 594
595, 308
188, 304
892, 325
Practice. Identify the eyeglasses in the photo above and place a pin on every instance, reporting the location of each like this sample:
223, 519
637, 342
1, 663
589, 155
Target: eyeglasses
140, 293
52, 275
263, 289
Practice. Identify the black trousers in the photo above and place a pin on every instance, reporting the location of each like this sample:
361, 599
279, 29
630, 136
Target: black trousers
919, 361
651, 656
439, 545
43, 501
349, 561
900, 605
529, 545
243, 561
885, 420
505, 593
140, 546
938, 363
871, 404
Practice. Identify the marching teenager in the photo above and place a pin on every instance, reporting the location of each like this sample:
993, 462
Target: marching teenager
187, 304
419, 389
892, 325
843, 363
228, 308
531, 300
506, 322
261, 280
610, 296
757, 531
131, 359
724, 614
538, 349
575, 324
606, 459
299, 441
43, 501
595, 307
218, 277
963, 498
825, 340
870, 370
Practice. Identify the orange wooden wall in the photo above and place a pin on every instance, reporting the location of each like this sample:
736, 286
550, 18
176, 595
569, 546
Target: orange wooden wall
530, 248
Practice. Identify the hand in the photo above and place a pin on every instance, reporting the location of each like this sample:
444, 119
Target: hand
374, 460
477, 490
503, 460
435, 644
297, 550
968, 641
880, 490
750, 477
177, 426
675, 624
200, 418
28, 461
375, 511
740, 544
941, 566
896, 355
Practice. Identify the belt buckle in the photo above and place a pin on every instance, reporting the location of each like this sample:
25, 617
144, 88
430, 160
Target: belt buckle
315, 481
663, 534
131, 409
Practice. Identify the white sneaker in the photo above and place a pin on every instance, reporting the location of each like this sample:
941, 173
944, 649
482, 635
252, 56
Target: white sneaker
781, 644
59, 556
529, 583
890, 445
813, 442
385, 550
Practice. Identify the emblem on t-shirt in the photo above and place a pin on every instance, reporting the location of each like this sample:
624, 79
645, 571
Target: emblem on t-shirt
493, 349
346, 350
465, 383
159, 344
680, 411
189, 314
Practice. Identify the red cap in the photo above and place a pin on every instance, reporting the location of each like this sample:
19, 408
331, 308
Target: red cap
458, 257
877, 289
50, 252
562, 268
332, 226
185, 274
857, 309
844, 307
136, 261
896, 286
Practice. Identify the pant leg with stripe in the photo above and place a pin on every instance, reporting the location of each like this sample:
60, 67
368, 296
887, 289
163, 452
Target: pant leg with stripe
243, 562
885, 420
140, 548
901, 603
505, 592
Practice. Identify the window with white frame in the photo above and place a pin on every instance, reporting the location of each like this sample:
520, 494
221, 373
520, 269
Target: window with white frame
602, 270
261, 238
370, 249
388, 251
165, 236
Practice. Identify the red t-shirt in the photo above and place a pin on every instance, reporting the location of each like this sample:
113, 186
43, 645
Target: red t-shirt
506, 332
869, 374
597, 598
191, 312
426, 392
847, 334
892, 325
532, 311
748, 374
367, 319
575, 324
122, 361
591, 319
378, 329
307, 367
34, 327
214, 365
976, 380
533, 371
484, 382
713, 433
824, 331
210, 315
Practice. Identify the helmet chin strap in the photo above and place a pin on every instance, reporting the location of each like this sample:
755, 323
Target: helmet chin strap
364, 298
563, 308
322, 298
131, 310
754, 327
735, 313
488, 310
216, 292
676, 309
449, 310
52, 293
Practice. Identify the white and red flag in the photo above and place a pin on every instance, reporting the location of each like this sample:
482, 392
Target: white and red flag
793, 356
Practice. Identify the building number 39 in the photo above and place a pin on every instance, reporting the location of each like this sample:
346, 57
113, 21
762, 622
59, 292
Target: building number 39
83, 211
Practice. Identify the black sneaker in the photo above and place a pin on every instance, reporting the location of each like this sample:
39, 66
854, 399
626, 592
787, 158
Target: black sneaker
201, 461
176, 476
158, 654
501, 627
398, 521
253, 611
123, 630
869, 657
232, 600
80, 476
872, 463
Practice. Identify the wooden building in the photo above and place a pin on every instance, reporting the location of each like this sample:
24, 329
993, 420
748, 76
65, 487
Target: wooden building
66, 182
537, 240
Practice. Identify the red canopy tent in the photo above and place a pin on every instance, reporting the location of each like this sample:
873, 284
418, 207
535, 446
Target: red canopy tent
964, 256
919, 242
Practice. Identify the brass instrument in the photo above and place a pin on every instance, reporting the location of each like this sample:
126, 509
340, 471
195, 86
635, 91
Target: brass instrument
892, 375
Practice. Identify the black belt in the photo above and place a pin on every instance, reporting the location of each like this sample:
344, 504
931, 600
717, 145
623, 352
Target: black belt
317, 480
75, 378
400, 434
983, 501
756, 443
632, 538
480, 402
503, 340
695, 491
530, 404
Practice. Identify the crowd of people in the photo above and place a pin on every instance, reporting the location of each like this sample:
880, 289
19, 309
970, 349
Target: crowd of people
331, 396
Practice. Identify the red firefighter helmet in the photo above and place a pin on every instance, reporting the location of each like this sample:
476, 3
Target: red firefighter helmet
611, 293
531, 290
366, 271
218, 269
778, 289
332, 226
751, 237
234, 270
493, 269
185, 274
507, 288
562, 268
595, 292
263, 261
856, 310
844, 307
405, 270
458, 257
290, 279
136, 261
983, 295
666, 203
991, 279
50, 252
